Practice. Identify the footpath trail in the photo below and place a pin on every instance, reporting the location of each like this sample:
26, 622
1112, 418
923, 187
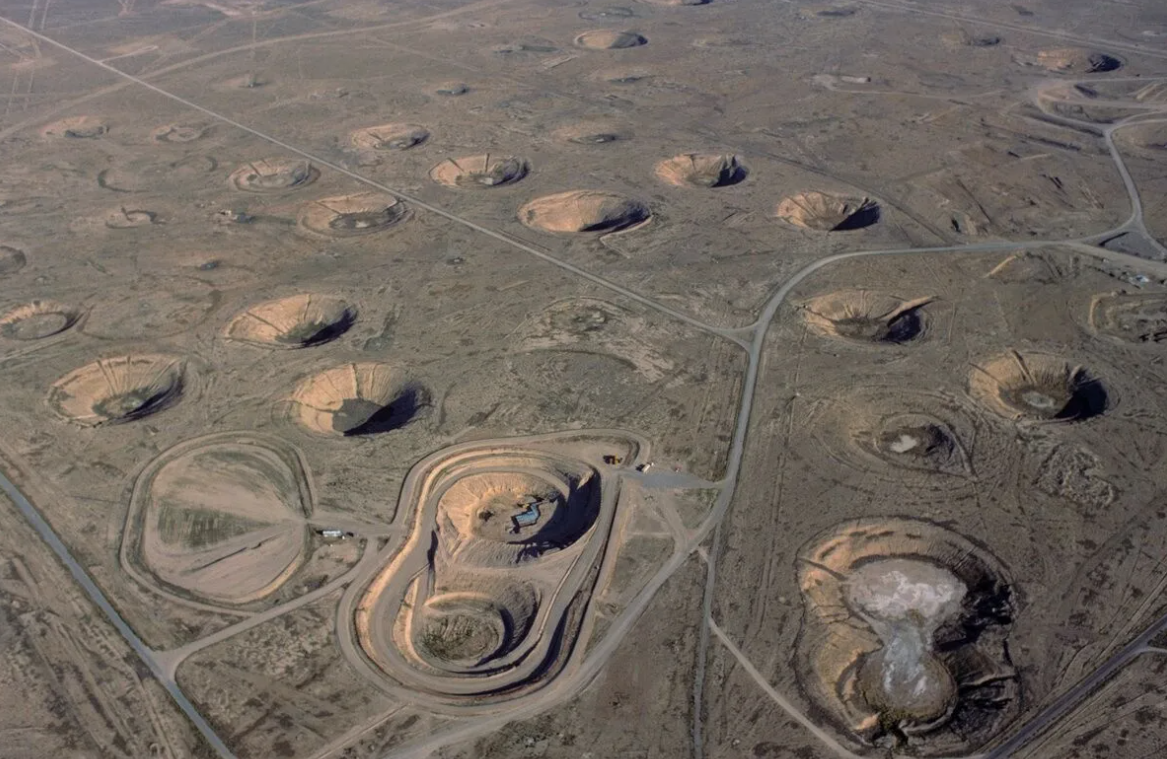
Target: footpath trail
751, 339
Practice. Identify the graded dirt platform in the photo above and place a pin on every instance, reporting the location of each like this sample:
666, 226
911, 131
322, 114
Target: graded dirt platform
502, 379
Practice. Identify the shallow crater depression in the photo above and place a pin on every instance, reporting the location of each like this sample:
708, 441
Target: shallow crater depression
480, 171
38, 319
395, 136
610, 39
273, 175
352, 215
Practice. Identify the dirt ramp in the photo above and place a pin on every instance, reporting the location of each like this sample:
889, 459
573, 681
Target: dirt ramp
482, 171
353, 215
824, 212
356, 399
395, 136
867, 316
38, 319
273, 175
298, 321
1037, 387
580, 211
702, 170
118, 390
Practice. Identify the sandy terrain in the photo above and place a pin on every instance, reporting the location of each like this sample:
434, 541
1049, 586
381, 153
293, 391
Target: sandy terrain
518, 378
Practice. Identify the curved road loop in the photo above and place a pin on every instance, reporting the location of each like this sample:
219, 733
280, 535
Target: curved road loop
751, 338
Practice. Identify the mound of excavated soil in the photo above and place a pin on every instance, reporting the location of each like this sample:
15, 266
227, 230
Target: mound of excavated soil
866, 316
298, 321
273, 175
116, 390
179, 134
610, 39
38, 319
702, 170
593, 134
76, 127
828, 213
352, 215
12, 260
1075, 60
1024, 267
480, 171
1130, 317
583, 211
356, 399
1037, 386
225, 520
389, 137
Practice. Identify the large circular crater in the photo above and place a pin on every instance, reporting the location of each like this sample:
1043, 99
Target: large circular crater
389, 137
38, 319
356, 399
579, 211
1077, 60
297, 321
904, 635
352, 215
610, 39
117, 390
480, 171
868, 317
273, 175
825, 212
1037, 386
702, 170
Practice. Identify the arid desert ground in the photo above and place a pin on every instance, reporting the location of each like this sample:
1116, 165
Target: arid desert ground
647, 379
